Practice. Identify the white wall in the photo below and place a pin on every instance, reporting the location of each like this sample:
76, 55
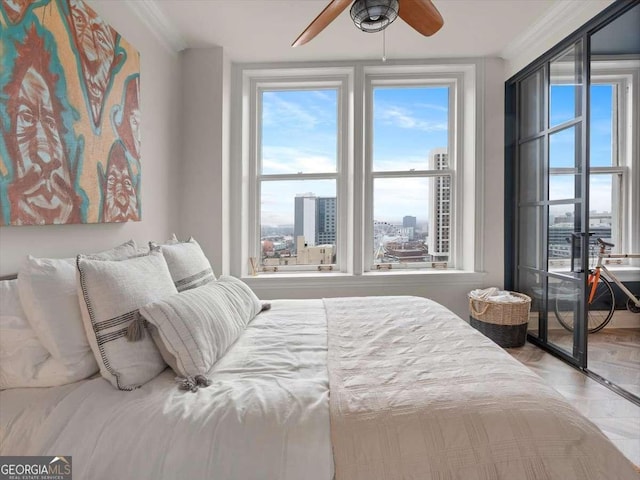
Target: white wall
160, 80
205, 143
493, 180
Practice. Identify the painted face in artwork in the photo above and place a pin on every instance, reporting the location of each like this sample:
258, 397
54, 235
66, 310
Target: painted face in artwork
120, 200
96, 44
41, 190
134, 125
129, 126
15, 9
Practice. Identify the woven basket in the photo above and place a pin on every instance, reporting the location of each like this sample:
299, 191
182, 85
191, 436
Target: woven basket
504, 323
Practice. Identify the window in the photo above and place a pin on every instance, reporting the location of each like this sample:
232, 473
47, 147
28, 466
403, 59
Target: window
295, 174
356, 170
410, 173
610, 180
614, 175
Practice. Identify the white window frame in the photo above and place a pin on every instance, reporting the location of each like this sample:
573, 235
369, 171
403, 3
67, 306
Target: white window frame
355, 228
625, 75
293, 80
388, 79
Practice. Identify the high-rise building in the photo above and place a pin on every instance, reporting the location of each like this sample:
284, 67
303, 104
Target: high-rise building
315, 219
439, 239
409, 226
305, 218
326, 221
409, 222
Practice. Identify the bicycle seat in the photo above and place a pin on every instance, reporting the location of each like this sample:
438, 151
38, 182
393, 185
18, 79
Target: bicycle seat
606, 244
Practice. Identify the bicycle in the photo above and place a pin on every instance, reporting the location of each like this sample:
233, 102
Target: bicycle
601, 302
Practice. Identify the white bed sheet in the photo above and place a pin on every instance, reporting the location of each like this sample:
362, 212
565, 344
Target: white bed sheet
266, 415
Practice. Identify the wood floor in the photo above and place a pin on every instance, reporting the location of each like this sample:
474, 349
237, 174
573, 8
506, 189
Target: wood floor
617, 417
613, 353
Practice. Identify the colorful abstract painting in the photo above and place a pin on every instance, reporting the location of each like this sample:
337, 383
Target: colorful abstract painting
69, 116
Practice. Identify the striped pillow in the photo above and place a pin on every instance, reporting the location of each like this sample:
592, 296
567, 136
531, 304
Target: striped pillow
110, 294
193, 329
187, 263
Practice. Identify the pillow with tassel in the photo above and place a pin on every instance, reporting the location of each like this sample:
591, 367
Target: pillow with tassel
111, 294
193, 329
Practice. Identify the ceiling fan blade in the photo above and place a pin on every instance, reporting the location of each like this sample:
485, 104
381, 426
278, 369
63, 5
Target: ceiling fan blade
422, 15
327, 16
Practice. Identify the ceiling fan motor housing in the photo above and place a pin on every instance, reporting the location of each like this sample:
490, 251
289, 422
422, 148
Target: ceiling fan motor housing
374, 15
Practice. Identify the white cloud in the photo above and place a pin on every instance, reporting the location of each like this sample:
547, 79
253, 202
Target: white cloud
432, 106
403, 118
396, 197
308, 111
324, 95
281, 112
293, 160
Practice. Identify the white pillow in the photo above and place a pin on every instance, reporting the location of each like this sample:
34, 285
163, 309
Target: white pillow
187, 263
49, 297
194, 328
24, 362
21, 353
110, 293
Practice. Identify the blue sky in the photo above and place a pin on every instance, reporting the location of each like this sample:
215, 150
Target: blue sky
562, 145
299, 134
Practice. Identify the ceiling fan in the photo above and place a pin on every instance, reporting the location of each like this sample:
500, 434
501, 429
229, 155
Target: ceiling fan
376, 15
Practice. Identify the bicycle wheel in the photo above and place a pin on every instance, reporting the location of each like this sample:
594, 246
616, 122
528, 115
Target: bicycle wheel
631, 306
599, 310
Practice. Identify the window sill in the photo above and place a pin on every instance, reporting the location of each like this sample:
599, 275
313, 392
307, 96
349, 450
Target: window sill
397, 278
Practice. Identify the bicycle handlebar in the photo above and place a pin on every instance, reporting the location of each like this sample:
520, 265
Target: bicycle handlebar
604, 244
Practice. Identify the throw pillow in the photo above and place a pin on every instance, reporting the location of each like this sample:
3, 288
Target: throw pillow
111, 293
194, 328
47, 288
21, 352
187, 263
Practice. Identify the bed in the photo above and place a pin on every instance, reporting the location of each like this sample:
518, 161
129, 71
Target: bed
345, 388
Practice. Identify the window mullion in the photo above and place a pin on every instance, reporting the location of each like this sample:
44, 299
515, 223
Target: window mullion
364, 152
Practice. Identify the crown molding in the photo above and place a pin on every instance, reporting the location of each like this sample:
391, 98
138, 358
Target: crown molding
561, 16
154, 18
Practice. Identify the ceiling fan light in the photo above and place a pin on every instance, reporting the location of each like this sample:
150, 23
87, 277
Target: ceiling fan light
374, 15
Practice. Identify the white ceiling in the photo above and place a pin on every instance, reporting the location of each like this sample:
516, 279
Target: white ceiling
263, 30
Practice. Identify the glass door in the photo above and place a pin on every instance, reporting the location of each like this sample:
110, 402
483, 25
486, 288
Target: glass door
571, 164
551, 230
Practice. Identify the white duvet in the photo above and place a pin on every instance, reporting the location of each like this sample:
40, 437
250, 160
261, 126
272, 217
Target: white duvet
416, 394
266, 415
